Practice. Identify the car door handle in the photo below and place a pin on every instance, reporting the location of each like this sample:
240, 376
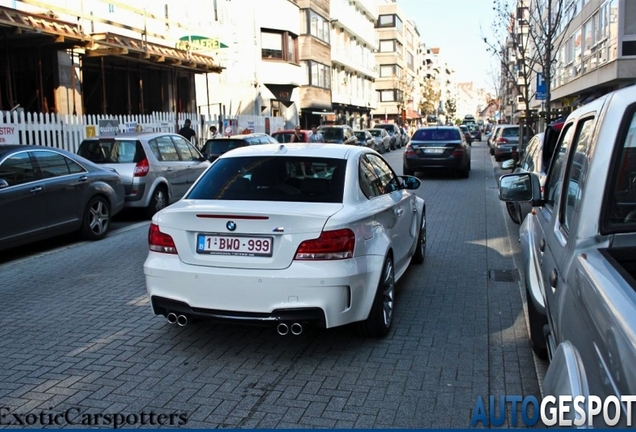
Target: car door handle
82, 179
554, 278
399, 211
542, 245
36, 189
169, 169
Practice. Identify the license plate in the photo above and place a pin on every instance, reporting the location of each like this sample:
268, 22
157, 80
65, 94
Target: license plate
434, 151
234, 245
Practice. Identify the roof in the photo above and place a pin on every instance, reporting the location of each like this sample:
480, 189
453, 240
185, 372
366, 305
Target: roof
319, 150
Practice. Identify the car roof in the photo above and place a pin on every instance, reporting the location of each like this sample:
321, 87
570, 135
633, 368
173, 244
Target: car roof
129, 135
9, 148
335, 151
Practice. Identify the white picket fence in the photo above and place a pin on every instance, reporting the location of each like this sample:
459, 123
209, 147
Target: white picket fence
68, 131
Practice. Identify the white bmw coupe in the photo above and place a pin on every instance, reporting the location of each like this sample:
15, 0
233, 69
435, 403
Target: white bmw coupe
290, 235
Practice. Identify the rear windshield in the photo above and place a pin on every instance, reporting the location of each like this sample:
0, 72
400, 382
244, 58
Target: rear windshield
510, 132
436, 135
375, 133
259, 178
331, 133
361, 135
389, 128
112, 151
218, 147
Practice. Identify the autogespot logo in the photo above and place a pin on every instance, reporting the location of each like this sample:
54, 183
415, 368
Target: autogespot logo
563, 410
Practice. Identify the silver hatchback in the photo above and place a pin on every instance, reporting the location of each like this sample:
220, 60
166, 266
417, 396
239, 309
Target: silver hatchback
156, 168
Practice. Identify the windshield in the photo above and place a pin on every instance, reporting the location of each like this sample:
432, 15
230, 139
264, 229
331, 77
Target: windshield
436, 135
376, 133
267, 178
388, 127
220, 146
112, 151
361, 135
331, 133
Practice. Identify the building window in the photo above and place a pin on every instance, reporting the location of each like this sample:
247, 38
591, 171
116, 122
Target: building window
279, 45
391, 95
391, 45
318, 26
389, 71
319, 74
391, 20
111, 8
629, 18
409, 60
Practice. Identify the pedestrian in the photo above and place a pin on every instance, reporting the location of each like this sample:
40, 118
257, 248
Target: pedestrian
297, 136
316, 137
187, 132
214, 133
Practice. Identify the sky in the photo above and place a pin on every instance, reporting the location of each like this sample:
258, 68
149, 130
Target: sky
457, 27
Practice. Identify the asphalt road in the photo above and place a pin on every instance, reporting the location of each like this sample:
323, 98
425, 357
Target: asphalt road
77, 336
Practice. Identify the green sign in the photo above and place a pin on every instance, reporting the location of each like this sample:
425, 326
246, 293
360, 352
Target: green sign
199, 43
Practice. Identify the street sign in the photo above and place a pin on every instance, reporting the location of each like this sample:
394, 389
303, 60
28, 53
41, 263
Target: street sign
541, 87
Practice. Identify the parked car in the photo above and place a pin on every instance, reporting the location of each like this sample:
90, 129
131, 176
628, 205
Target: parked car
493, 137
475, 132
437, 147
46, 192
405, 136
535, 159
285, 136
213, 148
156, 168
382, 139
466, 133
324, 250
365, 138
338, 134
506, 140
579, 255
394, 134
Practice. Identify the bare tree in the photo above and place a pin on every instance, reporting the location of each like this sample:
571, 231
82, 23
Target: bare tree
527, 41
405, 86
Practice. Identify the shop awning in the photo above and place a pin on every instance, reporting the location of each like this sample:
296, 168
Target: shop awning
43, 25
105, 44
412, 115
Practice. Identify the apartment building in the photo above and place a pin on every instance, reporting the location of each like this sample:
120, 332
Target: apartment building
259, 46
597, 52
100, 57
353, 46
393, 80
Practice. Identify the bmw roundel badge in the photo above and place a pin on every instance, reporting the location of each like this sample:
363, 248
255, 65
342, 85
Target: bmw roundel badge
230, 225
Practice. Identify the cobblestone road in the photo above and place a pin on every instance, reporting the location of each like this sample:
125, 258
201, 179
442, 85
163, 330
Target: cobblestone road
76, 332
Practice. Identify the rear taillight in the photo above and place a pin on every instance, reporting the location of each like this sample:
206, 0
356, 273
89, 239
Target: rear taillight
459, 151
142, 168
408, 151
331, 245
502, 141
160, 242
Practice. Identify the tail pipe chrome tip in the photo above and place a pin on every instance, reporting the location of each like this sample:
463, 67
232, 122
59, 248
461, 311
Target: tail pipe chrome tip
296, 329
282, 329
182, 320
172, 318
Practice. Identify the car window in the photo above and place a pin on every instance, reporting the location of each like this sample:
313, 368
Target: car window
370, 182
621, 214
510, 132
185, 149
388, 179
53, 164
553, 181
166, 149
435, 134
112, 151
17, 169
528, 161
331, 133
576, 173
267, 178
224, 145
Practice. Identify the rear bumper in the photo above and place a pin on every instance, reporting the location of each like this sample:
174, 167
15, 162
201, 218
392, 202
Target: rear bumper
342, 291
452, 162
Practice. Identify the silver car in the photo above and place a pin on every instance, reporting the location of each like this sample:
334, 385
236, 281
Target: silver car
382, 139
156, 168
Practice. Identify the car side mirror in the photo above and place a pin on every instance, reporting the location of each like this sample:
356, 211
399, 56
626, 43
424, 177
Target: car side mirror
410, 182
3, 183
521, 187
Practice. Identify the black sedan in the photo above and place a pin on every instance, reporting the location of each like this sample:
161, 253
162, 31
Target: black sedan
437, 147
45, 192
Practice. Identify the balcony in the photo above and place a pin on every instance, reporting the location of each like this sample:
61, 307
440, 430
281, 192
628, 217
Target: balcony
355, 22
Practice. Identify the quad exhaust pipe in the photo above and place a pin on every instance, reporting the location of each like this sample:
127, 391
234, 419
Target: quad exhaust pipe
284, 329
180, 320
